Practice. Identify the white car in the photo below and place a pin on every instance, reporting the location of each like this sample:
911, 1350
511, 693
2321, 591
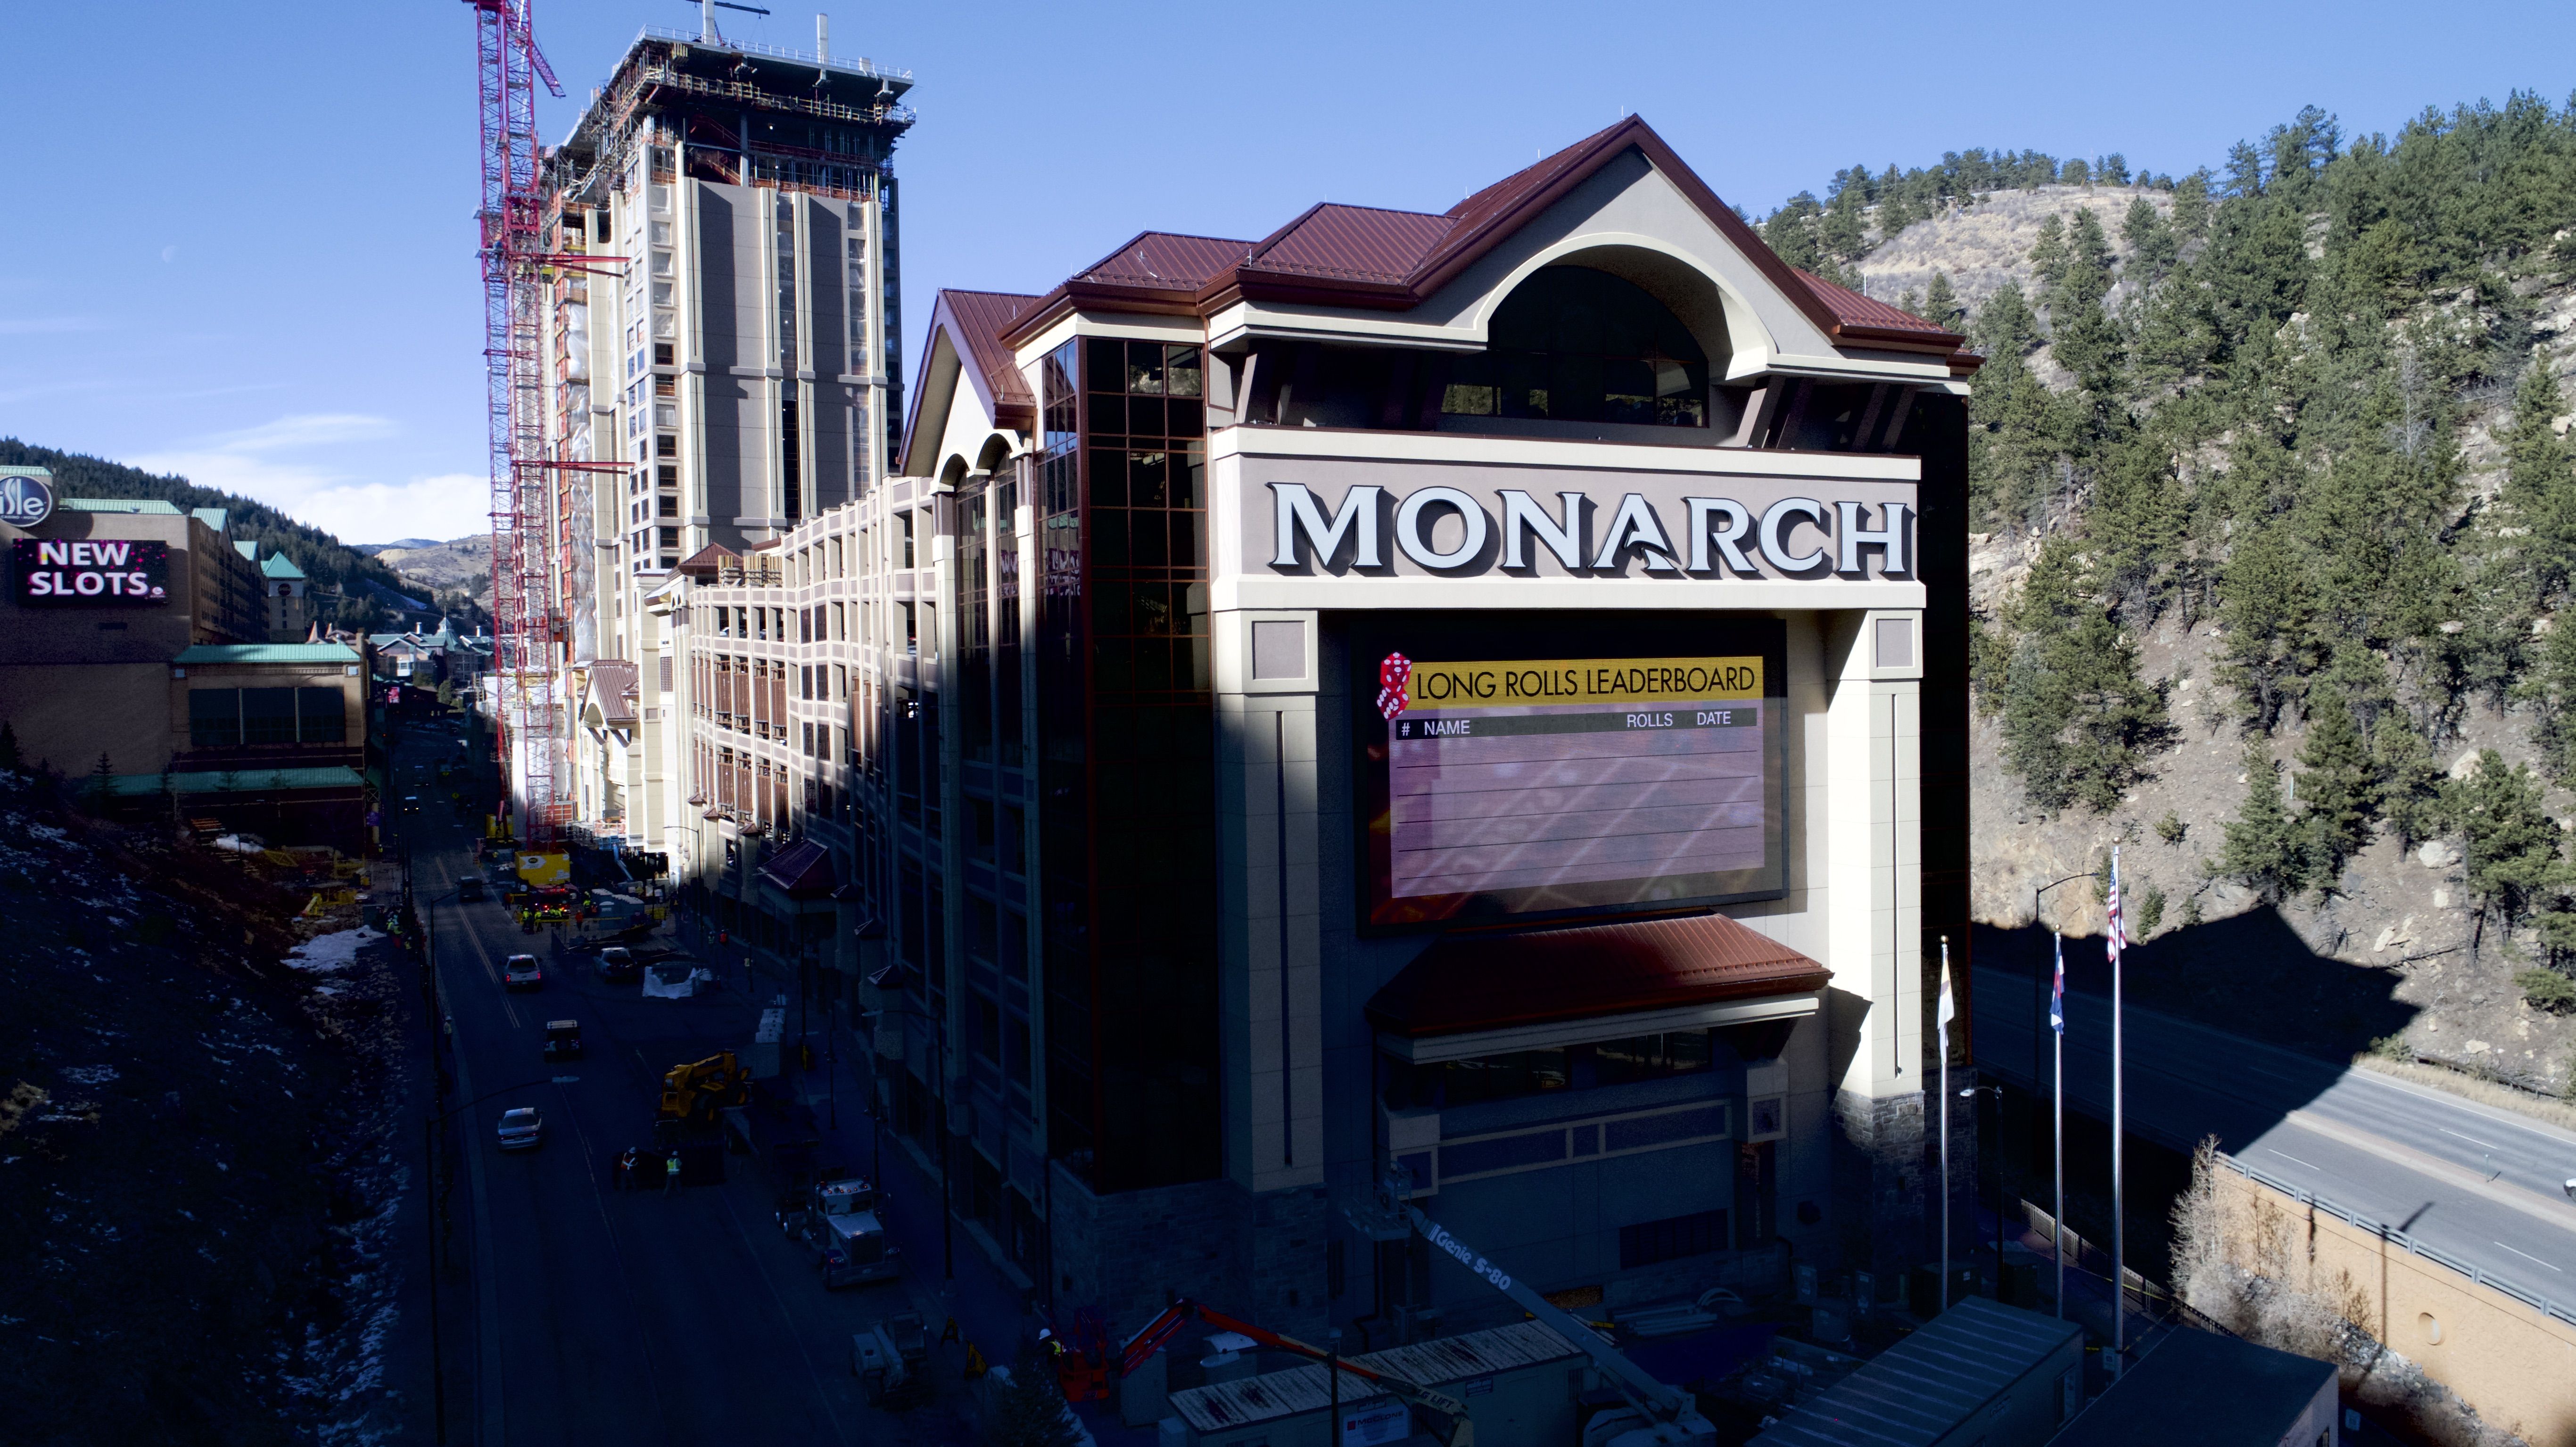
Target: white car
520, 1129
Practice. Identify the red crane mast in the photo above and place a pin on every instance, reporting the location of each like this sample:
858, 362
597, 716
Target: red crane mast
526, 616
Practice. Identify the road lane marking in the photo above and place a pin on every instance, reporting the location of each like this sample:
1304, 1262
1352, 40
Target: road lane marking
2473, 1140
2285, 1155
822, 1397
2528, 1202
2527, 1256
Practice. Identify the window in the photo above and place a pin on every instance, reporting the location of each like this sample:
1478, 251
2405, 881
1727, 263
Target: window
229, 717
903, 531
1502, 1077
1649, 1057
1652, 1242
1577, 345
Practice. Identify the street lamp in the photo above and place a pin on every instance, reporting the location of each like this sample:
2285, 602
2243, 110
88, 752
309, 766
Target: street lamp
2057, 1115
429, 1215
876, 1132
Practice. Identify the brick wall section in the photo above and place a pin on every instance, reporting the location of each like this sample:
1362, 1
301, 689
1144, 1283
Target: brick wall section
1879, 1185
1128, 1255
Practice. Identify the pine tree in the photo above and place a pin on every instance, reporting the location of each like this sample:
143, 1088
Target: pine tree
2191, 204
2512, 846
2075, 173
1843, 235
2540, 483
2410, 785
1941, 304
2079, 725
10, 758
2082, 336
1791, 231
2337, 795
2267, 605
2048, 254
2264, 850
2152, 244
2551, 691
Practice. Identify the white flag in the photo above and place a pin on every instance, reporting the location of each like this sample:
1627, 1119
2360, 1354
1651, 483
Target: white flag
1949, 1008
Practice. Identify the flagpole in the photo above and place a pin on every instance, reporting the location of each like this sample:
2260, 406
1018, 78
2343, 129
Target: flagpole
2119, 1143
2057, 1129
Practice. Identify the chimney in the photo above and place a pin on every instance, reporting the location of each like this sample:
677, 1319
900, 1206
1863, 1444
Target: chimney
823, 38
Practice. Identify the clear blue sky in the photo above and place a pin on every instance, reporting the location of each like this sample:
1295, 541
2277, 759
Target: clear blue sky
237, 239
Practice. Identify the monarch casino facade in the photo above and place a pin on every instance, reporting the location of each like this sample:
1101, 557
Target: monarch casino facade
1478, 695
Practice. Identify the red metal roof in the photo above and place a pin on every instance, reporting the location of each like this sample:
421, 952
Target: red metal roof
982, 317
1472, 981
1358, 255
1864, 313
707, 559
1359, 243
1165, 261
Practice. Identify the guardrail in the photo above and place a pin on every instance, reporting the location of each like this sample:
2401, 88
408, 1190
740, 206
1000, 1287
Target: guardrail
2398, 1238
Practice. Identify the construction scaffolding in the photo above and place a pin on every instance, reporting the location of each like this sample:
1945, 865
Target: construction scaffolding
528, 531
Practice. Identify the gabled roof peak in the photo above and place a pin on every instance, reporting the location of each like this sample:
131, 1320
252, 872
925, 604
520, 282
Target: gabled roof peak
1382, 258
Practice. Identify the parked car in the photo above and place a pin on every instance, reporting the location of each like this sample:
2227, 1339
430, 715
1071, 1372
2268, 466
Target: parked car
520, 1129
563, 1040
617, 964
522, 972
411, 803
470, 887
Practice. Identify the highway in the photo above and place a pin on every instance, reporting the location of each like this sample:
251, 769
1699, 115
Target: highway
2475, 1182
598, 1316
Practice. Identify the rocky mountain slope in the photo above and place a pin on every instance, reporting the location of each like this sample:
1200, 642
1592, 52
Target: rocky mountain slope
2398, 925
462, 565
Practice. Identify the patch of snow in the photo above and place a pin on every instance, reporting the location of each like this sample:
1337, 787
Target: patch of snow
331, 953
90, 1074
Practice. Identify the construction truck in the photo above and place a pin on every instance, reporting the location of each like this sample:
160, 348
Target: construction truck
890, 1359
1443, 1416
839, 1223
695, 1092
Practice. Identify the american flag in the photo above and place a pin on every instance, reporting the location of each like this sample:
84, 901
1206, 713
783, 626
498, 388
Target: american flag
2118, 934
2057, 991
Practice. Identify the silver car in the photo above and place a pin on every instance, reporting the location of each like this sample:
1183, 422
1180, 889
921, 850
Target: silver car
520, 1129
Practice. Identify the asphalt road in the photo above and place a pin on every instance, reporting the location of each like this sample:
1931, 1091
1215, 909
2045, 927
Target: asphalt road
599, 1316
2475, 1182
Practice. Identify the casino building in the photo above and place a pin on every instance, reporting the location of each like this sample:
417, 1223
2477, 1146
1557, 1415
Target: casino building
140, 633
1477, 695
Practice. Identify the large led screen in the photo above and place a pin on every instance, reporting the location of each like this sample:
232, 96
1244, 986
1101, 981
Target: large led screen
1599, 764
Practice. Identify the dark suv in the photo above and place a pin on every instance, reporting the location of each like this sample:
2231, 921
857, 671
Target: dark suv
470, 887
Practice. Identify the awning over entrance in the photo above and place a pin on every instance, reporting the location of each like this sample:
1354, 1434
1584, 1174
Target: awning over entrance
1473, 993
802, 870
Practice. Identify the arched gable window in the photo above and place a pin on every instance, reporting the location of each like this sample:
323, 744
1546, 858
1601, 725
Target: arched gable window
1572, 344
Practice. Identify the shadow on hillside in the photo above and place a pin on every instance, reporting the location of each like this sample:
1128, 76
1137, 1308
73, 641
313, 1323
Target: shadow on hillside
2249, 977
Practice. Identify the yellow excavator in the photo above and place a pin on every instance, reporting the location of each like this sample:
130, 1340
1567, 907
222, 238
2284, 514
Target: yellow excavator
697, 1091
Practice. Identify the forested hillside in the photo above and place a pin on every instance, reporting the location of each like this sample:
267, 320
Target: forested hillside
2279, 519
332, 566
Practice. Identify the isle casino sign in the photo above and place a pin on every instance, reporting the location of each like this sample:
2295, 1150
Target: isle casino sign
109, 573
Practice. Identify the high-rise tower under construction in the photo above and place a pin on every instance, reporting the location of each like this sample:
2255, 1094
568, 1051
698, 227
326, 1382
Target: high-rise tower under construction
736, 341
